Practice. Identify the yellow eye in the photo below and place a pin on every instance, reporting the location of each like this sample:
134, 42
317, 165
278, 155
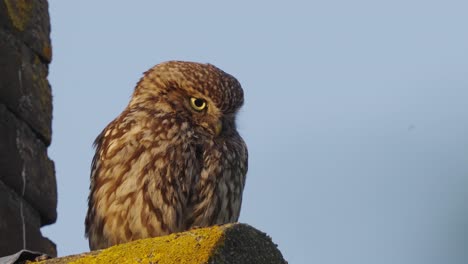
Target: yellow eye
197, 104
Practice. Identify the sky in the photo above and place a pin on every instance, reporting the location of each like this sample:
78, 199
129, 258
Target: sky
355, 115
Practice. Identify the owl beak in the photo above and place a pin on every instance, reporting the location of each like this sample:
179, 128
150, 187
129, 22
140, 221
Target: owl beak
218, 127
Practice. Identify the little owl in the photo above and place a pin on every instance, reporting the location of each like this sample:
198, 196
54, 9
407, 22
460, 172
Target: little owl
172, 160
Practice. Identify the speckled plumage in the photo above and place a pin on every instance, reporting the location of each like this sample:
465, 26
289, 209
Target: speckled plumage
162, 167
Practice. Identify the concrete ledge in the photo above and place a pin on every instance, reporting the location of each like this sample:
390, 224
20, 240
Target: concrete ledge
231, 243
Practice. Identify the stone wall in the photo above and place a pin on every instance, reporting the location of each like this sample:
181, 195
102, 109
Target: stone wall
28, 192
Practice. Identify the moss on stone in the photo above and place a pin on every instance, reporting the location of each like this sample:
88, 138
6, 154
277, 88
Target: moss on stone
44, 92
19, 12
228, 244
195, 246
47, 51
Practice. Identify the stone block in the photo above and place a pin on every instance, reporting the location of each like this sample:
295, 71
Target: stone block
24, 88
21, 229
24, 163
28, 20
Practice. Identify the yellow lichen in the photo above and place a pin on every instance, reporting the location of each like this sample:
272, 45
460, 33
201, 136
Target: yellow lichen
19, 12
47, 51
195, 246
44, 93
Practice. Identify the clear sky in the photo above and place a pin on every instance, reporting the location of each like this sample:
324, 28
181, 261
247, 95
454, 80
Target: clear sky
355, 115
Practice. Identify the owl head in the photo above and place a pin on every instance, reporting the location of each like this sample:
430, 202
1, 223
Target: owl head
202, 94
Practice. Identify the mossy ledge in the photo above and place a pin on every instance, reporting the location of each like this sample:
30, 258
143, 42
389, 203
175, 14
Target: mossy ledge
231, 243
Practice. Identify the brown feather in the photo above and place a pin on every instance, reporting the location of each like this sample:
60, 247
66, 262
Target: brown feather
160, 167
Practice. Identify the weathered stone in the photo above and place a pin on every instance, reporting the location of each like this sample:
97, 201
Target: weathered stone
28, 20
227, 244
28, 194
24, 88
20, 225
24, 163
245, 244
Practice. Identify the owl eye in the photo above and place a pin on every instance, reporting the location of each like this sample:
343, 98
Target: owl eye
197, 104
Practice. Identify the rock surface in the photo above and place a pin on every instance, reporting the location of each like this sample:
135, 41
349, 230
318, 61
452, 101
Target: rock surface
28, 192
25, 164
20, 225
227, 244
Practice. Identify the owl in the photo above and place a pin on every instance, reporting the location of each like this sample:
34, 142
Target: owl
172, 160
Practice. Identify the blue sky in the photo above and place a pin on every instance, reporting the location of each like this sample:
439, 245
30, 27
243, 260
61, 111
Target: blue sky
355, 115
